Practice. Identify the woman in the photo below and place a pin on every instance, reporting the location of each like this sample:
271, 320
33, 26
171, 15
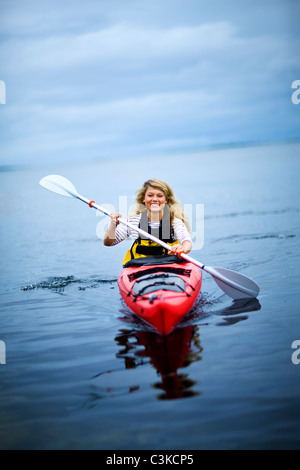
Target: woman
157, 212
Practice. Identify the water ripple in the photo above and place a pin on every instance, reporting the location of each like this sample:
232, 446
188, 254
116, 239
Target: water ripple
257, 236
286, 210
58, 283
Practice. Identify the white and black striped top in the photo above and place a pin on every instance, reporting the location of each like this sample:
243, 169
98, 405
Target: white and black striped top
122, 231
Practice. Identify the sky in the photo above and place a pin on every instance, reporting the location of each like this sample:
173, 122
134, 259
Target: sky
117, 78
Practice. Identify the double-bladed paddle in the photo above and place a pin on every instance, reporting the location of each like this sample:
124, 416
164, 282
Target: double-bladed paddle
235, 285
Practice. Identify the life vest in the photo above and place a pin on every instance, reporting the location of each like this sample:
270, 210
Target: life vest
142, 247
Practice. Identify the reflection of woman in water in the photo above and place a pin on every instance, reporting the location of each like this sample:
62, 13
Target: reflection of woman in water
167, 354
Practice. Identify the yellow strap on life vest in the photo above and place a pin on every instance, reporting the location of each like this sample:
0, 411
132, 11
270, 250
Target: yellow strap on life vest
132, 254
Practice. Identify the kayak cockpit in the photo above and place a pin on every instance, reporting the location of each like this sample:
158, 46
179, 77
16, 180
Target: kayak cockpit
158, 281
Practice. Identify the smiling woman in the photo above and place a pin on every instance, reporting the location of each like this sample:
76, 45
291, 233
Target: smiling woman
157, 212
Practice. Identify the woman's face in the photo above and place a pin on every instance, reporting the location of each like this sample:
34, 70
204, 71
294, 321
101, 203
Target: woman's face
154, 200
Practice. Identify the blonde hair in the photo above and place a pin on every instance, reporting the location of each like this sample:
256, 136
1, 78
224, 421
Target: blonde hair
174, 205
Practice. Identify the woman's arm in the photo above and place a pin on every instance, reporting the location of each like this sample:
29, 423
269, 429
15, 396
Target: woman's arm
110, 234
183, 236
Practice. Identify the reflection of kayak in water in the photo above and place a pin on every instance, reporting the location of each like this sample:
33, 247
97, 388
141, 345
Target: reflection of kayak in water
167, 354
160, 290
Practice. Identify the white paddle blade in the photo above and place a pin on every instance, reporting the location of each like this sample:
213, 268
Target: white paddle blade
235, 285
60, 185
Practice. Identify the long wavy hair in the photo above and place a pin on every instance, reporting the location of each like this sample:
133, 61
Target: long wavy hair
174, 205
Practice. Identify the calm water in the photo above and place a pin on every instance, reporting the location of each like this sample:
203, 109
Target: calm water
82, 373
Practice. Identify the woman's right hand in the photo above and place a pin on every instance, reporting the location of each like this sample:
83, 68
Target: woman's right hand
114, 218
110, 233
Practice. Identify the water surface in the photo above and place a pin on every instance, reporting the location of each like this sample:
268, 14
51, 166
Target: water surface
82, 373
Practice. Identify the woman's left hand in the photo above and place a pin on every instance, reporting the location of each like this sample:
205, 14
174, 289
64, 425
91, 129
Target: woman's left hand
176, 250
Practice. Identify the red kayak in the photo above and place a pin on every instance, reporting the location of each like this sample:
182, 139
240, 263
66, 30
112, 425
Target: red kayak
160, 290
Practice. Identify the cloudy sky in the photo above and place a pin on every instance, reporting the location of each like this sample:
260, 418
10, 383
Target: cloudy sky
105, 78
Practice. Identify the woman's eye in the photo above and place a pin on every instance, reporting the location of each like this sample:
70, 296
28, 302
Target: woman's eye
157, 195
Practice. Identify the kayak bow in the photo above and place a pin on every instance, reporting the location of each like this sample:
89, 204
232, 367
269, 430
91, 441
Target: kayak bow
160, 290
